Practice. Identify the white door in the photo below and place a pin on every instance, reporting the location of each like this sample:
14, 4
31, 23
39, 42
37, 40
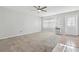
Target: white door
71, 25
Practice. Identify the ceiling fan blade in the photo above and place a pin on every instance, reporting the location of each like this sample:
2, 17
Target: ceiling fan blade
35, 7
43, 10
43, 7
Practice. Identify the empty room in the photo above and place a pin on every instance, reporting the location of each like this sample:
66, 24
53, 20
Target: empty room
39, 28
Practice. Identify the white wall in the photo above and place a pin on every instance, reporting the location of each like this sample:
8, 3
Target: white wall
14, 23
78, 24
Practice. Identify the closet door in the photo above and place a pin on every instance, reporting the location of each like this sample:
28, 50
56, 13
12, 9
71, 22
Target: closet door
71, 25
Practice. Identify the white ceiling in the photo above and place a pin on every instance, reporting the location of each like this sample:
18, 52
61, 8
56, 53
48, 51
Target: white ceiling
51, 10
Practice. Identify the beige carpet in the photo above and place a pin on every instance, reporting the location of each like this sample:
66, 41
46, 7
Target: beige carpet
36, 42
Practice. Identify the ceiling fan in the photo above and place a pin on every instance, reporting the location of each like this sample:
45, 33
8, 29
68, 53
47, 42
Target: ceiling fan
40, 8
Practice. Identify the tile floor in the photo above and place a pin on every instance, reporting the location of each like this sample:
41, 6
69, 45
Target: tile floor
67, 43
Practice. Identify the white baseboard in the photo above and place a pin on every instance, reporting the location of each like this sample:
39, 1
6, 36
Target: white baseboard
15, 35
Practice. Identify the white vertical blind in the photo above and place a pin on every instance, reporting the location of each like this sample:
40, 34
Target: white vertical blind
49, 24
71, 25
71, 21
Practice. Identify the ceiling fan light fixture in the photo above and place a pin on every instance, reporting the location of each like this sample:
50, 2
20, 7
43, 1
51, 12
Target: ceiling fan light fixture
39, 10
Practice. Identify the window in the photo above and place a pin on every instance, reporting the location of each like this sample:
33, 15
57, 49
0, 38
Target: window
49, 24
71, 21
